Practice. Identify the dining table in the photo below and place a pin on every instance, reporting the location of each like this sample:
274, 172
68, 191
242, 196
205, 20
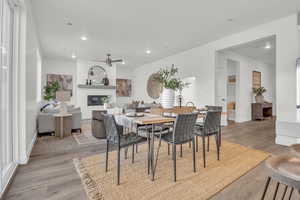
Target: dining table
151, 120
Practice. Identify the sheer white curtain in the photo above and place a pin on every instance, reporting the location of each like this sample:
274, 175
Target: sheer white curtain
298, 82
6, 135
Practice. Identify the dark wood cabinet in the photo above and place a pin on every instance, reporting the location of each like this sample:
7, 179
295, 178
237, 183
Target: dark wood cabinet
261, 110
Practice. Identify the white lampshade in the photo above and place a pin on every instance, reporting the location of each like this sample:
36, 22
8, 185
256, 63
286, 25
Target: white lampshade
63, 96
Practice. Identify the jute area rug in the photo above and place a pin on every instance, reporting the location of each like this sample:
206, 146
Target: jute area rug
86, 138
236, 160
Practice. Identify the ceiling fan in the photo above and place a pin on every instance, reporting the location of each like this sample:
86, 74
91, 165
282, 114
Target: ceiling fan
109, 61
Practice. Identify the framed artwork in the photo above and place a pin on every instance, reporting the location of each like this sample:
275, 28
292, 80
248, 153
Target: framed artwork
256, 79
65, 81
231, 79
123, 87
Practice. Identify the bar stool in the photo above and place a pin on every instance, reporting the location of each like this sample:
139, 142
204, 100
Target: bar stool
285, 170
295, 149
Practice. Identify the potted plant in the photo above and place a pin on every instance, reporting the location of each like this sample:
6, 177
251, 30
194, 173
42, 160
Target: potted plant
259, 98
170, 84
50, 90
106, 101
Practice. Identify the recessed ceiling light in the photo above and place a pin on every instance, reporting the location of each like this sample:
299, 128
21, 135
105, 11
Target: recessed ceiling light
84, 38
148, 51
268, 45
73, 56
3, 50
123, 62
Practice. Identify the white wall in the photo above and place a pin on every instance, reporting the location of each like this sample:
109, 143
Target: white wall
298, 41
65, 67
189, 64
200, 62
31, 79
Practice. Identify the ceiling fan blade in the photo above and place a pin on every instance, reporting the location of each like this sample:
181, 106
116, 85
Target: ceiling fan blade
103, 61
119, 60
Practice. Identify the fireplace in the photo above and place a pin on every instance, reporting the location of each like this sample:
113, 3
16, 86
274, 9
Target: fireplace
95, 100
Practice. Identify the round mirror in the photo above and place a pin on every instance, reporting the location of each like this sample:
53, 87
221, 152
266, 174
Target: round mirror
154, 87
96, 74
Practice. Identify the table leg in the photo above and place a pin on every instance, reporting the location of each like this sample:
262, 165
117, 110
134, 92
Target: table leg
152, 153
61, 127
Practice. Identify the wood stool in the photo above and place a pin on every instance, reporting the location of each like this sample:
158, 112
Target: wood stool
285, 170
295, 149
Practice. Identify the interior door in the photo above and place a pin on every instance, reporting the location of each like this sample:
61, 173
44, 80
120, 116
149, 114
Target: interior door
6, 135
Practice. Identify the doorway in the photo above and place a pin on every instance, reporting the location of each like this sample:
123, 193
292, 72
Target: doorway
235, 80
232, 84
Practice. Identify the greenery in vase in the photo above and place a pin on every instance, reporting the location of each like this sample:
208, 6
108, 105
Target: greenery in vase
50, 90
106, 99
259, 91
168, 80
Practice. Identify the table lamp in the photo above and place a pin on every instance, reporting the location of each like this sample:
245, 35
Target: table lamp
63, 97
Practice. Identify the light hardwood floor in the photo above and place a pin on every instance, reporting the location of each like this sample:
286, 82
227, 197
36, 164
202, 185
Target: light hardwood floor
50, 173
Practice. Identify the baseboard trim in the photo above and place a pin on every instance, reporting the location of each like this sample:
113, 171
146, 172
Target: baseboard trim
10, 179
28, 153
287, 133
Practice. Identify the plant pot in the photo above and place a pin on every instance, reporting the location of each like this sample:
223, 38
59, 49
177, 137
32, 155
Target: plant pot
259, 99
167, 98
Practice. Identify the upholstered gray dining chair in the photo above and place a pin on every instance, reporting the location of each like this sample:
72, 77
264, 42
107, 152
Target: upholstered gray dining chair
115, 136
183, 132
211, 126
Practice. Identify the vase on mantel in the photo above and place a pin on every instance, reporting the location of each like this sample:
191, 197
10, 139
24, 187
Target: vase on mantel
105, 106
167, 98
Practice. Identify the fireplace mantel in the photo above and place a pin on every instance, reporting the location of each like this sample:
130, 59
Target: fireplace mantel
109, 87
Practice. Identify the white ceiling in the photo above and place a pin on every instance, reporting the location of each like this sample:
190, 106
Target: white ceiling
126, 28
257, 51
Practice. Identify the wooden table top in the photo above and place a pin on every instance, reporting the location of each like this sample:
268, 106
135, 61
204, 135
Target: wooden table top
154, 120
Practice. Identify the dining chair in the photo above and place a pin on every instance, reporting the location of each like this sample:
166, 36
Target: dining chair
115, 136
210, 108
144, 131
211, 126
183, 132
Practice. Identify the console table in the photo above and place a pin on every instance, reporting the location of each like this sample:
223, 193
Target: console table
261, 110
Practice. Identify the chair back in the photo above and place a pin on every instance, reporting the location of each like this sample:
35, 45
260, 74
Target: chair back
212, 122
112, 134
214, 108
184, 127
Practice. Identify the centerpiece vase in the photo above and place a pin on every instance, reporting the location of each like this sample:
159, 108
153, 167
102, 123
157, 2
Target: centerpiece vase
167, 98
259, 99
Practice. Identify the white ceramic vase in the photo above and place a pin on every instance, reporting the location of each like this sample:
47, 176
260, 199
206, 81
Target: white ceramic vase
105, 106
259, 99
167, 98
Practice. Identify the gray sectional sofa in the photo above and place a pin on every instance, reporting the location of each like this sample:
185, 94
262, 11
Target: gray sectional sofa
46, 122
